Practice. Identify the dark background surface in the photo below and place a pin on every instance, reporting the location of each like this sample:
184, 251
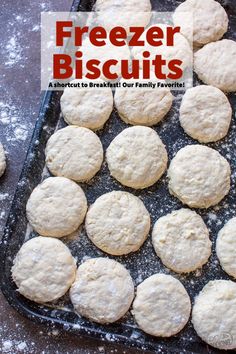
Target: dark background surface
19, 106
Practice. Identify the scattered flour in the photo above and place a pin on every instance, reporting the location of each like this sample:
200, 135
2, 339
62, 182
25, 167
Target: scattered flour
36, 28
13, 51
13, 346
212, 216
2, 214
6, 345
3, 196
21, 132
11, 118
21, 346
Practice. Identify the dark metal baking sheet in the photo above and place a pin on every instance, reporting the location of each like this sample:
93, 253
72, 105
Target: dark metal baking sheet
157, 200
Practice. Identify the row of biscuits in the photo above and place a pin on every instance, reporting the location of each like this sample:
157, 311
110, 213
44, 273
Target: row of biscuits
103, 291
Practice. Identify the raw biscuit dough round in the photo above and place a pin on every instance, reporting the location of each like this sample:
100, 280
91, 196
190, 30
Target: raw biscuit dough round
2, 160
226, 247
199, 176
137, 157
181, 240
181, 49
118, 223
103, 290
142, 106
56, 207
206, 21
121, 13
87, 107
205, 113
215, 64
43, 269
213, 314
74, 152
161, 306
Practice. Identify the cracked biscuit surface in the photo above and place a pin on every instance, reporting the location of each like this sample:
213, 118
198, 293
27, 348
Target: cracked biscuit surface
56, 207
43, 269
74, 152
137, 157
142, 106
205, 113
181, 240
87, 107
118, 223
213, 314
201, 21
103, 290
215, 64
199, 176
226, 247
161, 306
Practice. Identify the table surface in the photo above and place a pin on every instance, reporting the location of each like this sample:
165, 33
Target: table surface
19, 106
